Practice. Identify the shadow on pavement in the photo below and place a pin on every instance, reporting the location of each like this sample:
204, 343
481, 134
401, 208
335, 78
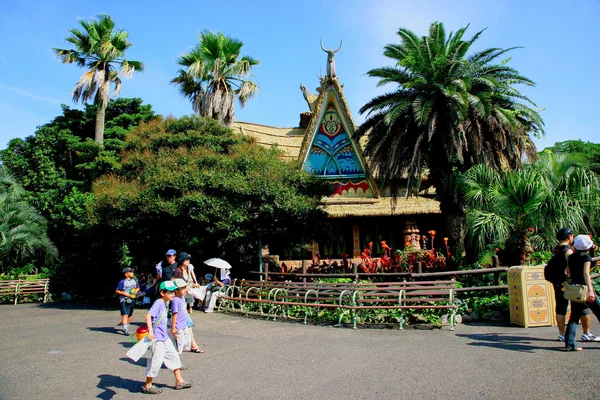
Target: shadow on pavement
508, 342
140, 363
107, 382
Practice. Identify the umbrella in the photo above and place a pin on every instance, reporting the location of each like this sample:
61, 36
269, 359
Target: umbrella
218, 263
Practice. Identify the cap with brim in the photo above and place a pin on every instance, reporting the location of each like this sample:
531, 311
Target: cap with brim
167, 285
184, 256
127, 269
582, 242
180, 283
170, 252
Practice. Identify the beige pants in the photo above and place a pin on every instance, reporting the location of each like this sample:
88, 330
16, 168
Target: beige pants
162, 352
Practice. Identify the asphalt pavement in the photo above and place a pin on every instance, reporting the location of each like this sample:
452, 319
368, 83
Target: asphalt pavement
68, 351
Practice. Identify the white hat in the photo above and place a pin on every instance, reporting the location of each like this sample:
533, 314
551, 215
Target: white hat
582, 242
180, 283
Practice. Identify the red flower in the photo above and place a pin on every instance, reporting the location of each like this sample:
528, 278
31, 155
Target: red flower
530, 229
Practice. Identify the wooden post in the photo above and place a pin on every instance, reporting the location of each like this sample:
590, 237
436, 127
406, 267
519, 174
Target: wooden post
419, 267
496, 264
355, 271
266, 268
304, 270
16, 292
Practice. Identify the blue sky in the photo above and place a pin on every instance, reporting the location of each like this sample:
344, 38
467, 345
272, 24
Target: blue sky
560, 40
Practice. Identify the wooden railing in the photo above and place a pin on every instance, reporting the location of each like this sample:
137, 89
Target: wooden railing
499, 274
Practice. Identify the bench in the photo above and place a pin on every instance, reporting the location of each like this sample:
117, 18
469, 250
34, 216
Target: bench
404, 296
21, 287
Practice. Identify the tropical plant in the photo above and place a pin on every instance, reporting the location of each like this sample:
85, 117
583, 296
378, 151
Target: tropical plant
22, 229
521, 211
101, 50
450, 111
215, 75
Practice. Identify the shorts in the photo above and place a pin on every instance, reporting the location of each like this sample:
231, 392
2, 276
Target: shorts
127, 308
159, 353
562, 304
184, 340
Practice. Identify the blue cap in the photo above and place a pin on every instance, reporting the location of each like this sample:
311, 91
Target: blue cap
171, 252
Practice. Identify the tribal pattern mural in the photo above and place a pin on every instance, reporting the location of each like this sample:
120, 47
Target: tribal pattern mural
333, 156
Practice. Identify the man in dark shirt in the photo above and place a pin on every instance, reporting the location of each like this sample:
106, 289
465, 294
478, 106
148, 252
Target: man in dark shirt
167, 267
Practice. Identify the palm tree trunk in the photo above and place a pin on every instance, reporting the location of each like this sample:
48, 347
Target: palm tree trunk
100, 115
455, 226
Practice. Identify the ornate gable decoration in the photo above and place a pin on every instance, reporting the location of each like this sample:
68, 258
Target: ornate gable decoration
329, 150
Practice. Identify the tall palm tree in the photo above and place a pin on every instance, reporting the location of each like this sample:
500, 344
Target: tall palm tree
101, 50
215, 75
22, 229
450, 111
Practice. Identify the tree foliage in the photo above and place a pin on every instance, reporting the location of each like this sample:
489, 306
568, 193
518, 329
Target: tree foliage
521, 211
56, 167
22, 229
214, 75
590, 152
192, 184
101, 50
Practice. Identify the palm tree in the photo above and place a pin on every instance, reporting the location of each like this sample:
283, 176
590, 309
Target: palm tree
101, 50
449, 112
522, 210
215, 75
22, 229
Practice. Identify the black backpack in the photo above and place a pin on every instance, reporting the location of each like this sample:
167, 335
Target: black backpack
554, 271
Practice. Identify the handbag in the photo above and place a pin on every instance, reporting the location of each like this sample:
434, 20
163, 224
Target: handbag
140, 348
575, 293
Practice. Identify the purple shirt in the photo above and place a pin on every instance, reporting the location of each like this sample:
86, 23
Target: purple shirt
128, 286
160, 330
178, 306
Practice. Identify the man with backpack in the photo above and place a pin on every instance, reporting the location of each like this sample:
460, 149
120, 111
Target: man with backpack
556, 273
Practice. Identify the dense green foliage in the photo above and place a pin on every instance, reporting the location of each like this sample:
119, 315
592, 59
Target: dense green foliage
215, 75
56, 167
449, 111
101, 50
521, 211
590, 152
22, 230
193, 185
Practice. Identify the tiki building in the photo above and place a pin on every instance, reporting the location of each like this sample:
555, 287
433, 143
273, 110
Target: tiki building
359, 211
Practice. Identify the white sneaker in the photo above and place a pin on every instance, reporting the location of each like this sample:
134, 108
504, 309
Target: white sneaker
590, 337
561, 338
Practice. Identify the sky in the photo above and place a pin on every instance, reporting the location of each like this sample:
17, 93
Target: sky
559, 40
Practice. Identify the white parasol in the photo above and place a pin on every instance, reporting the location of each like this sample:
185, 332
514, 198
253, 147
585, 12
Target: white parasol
218, 263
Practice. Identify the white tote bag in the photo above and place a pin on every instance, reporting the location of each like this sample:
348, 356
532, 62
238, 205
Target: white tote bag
139, 349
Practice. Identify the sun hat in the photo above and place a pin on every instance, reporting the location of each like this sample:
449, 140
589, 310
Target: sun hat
170, 252
127, 269
564, 233
184, 256
180, 283
582, 242
167, 285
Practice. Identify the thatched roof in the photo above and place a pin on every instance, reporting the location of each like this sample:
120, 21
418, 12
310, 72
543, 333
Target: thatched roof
380, 207
288, 140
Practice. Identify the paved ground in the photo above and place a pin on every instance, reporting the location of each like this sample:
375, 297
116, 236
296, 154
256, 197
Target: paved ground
73, 352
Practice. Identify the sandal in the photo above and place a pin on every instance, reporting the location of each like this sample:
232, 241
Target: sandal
573, 349
151, 390
197, 350
183, 385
